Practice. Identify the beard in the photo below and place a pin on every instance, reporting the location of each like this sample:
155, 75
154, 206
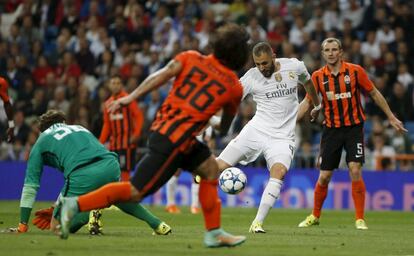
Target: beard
269, 71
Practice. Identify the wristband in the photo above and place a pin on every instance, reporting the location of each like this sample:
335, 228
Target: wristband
11, 124
214, 120
317, 107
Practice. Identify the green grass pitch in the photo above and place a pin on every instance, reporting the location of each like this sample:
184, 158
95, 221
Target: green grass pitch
390, 233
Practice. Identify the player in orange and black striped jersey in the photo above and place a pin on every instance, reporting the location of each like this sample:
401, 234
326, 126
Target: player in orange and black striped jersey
4, 85
340, 84
122, 128
203, 85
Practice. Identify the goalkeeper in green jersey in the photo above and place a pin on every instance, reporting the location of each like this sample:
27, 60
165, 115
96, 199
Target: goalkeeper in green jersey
86, 165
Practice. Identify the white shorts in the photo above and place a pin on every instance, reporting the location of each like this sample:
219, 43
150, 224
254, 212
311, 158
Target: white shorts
250, 143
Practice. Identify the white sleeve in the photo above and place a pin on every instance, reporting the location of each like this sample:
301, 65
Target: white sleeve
303, 74
246, 82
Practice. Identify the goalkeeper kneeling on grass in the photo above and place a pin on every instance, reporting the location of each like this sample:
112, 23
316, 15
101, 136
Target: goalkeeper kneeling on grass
86, 165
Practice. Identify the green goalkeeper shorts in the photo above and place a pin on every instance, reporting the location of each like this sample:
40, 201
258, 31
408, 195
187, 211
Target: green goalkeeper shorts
90, 178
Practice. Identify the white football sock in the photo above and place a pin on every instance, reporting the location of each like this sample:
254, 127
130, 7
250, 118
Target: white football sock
194, 194
270, 194
170, 190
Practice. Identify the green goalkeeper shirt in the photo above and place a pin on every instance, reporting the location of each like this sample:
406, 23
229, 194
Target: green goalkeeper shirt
64, 147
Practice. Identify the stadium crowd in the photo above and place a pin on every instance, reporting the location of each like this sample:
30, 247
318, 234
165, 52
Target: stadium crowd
60, 54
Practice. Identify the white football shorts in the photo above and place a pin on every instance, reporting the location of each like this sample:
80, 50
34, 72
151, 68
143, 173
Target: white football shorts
250, 143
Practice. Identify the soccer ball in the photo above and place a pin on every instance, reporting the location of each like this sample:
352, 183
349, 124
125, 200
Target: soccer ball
232, 180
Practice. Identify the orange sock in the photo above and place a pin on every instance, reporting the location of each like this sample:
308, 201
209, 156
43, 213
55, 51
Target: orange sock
105, 196
319, 197
358, 194
210, 203
124, 175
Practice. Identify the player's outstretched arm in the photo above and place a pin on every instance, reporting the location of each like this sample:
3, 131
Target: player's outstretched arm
303, 108
382, 103
153, 81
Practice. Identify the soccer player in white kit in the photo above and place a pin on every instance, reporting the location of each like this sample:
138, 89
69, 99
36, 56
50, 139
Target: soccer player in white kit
271, 132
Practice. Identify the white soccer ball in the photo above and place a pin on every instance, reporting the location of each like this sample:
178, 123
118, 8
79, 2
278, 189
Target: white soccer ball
232, 180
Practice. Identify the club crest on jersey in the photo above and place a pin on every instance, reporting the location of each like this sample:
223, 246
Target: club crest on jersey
292, 75
347, 79
278, 77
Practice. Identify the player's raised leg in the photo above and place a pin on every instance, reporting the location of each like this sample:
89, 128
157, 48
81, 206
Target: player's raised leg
211, 207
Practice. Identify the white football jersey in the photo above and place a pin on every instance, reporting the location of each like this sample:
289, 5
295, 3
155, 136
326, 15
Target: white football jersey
276, 97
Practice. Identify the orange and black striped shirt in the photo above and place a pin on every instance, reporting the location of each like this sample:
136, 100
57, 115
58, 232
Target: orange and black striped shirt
122, 125
4, 85
341, 94
203, 87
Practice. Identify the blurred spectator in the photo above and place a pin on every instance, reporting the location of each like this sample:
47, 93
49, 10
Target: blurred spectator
103, 42
254, 27
371, 109
354, 13
59, 101
401, 143
24, 95
68, 67
41, 70
143, 57
331, 16
384, 151
385, 33
152, 105
297, 33
104, 66
400, 102
21, 129
38, 104
404, 77
121, 54
119, 31
85, 58
355, 55
70, 20
370, 47
166, 36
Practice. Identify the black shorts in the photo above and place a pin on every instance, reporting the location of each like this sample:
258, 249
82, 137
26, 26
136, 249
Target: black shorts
127, 159
163, 160
335, 139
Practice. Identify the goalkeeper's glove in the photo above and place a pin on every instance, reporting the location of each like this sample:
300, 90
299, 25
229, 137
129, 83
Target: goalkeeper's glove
43, 218
22, 228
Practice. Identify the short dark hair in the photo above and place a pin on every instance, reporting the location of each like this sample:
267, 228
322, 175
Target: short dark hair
50, 118
229, 44
331, 40
262, 47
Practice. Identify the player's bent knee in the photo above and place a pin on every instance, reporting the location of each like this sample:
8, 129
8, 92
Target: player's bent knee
208, 169
278, 171
136, 196
324, 179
